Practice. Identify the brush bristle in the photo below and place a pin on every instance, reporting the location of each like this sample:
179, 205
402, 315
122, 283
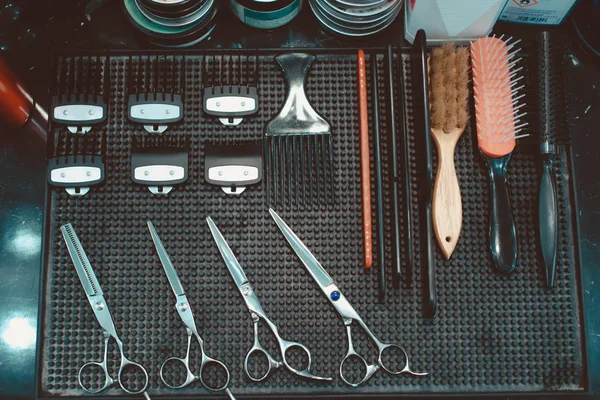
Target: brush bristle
496, 87
449, 87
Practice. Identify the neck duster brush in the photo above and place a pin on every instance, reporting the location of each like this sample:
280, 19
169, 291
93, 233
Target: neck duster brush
449, 98
498, 118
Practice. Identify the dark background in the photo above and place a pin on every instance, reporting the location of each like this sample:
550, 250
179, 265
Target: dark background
29, 29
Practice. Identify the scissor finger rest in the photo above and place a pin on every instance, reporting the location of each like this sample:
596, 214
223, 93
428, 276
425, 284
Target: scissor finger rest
84, 377
256, 352
210, 372
304, 370
395, 364
189, 376
125, 375
354, 366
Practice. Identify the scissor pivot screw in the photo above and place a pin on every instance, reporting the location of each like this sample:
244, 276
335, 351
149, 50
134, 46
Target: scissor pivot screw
335, 296
183, 306
99, 305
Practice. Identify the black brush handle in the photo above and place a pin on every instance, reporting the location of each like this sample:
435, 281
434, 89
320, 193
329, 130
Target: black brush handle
426, 221
548, 218
378, 179
503, 236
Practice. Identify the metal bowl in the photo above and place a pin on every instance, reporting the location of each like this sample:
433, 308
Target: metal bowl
355, 21
181, 21
163, 32
171, 8
357, 16
265, 14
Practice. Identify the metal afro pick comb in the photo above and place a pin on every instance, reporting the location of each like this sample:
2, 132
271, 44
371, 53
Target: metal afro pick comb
298, 146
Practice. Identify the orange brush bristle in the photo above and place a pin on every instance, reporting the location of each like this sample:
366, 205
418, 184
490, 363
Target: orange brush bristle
496, 91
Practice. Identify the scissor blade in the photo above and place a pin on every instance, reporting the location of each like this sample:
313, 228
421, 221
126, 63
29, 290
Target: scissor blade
82, 264
310, 262
166, 262
235, 269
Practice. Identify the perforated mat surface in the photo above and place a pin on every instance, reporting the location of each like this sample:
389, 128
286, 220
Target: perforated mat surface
492, 333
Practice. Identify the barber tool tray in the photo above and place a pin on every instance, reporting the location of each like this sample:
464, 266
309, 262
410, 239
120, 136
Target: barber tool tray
186, 136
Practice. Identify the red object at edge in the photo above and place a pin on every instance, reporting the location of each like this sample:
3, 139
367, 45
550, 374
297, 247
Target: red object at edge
15, 104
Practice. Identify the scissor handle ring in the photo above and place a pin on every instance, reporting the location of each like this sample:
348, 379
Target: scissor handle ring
108, 382
190, 377
270, 362
369, 369
125, 363
382, 348
286, 346
207, 361
405, 370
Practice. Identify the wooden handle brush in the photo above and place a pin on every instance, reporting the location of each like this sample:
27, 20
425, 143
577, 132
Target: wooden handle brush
449, 96
498, 117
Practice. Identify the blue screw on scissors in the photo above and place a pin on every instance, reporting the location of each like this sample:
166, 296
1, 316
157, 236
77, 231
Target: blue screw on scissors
257, 312
96, 298
185, 312
346, 311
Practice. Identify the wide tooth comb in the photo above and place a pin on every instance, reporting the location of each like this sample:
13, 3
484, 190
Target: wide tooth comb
298, 143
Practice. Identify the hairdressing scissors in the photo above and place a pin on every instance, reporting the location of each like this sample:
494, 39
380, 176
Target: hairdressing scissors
346, 311
185, 312
95, 296
257, 312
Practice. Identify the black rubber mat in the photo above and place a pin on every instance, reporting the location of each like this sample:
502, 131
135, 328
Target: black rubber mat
492, 333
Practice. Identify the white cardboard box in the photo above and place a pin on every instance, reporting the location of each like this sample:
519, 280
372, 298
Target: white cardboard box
459, 21
537, 12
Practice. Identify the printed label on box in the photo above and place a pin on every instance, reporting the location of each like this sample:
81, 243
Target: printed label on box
538, 12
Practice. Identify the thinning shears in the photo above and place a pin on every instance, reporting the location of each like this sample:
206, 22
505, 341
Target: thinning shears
258, 313
95, 296
347, 313
185, 312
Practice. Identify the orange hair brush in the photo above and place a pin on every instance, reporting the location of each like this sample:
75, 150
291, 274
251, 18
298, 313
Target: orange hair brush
498, 119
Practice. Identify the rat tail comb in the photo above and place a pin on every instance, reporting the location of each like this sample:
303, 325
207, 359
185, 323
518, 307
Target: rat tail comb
498, 115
